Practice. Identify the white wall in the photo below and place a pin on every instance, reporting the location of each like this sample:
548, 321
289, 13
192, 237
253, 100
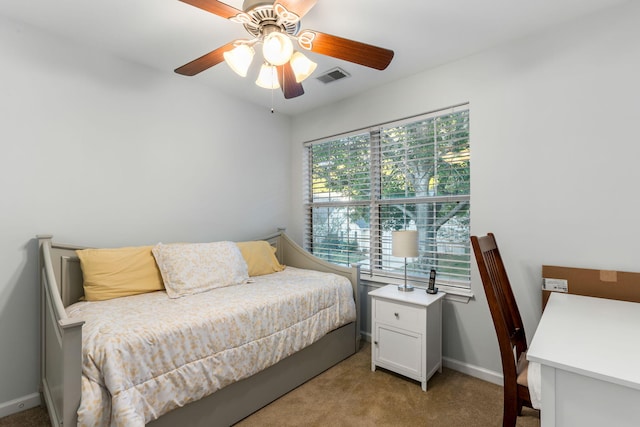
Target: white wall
554, 151
102, 152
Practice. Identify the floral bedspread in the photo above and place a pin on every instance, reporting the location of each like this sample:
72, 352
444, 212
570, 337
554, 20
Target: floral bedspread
145, 355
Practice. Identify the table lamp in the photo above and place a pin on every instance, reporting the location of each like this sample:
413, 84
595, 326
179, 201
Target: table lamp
405, 245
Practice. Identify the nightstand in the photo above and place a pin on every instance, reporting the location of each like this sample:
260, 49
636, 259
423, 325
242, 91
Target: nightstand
406, 329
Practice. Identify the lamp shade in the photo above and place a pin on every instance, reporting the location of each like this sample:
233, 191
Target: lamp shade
302, 66
277, 48
268, 77
405, 243
239, 59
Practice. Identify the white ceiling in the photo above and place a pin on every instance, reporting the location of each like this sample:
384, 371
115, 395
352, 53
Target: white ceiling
165, 34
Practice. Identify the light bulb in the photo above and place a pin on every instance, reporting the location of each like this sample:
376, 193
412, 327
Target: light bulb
277, 48
302, 66
239, 59
268, 78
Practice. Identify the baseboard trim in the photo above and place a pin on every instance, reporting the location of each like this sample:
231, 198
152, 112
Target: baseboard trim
20, 404
474, 371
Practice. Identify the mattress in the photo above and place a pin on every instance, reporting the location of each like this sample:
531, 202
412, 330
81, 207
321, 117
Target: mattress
145, 355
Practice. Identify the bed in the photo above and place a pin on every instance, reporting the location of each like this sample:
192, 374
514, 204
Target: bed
62, 325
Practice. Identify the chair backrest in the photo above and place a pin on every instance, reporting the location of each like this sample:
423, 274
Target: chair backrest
502, 304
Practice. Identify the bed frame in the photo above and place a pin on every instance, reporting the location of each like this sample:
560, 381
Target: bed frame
61, 345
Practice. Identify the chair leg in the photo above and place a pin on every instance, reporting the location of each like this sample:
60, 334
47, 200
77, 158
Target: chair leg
510, 413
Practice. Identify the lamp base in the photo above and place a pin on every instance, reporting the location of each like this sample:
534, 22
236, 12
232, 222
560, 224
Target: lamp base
405, 288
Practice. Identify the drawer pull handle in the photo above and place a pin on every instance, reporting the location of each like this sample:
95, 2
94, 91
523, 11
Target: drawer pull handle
397, 315
375, 342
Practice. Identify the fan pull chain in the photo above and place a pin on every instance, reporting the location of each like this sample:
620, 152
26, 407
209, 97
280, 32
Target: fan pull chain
275, 70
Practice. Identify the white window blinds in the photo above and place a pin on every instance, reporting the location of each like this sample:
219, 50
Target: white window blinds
410, 174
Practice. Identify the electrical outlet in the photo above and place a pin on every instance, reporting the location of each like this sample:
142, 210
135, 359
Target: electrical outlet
556, 285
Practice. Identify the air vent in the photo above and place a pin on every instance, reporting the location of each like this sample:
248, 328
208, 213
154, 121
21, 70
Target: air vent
333, 75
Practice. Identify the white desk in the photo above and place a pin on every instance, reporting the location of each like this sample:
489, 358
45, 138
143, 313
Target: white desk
589, 352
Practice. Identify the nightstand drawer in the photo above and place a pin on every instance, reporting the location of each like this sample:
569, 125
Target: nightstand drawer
398, 315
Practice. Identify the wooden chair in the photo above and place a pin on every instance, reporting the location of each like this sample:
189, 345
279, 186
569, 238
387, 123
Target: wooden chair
508, 325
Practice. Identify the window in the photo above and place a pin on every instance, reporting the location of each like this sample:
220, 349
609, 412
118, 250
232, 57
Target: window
410, 174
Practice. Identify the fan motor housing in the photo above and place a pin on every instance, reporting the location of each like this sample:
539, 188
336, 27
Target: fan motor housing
262, 14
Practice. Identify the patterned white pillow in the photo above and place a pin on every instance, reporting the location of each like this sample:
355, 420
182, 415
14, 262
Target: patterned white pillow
191, 268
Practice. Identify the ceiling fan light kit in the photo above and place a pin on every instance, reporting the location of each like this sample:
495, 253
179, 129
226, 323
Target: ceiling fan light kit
275, 24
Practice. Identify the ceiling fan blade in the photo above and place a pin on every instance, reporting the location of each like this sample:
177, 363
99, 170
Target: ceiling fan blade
299, 7
287, 79
215, 7
205, 61
348, 50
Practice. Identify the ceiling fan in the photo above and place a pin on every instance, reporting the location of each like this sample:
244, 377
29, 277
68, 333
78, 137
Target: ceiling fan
274, 24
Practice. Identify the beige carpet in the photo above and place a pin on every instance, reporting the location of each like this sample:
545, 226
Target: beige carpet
349, 394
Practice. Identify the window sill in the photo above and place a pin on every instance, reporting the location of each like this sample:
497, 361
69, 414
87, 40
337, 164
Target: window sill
453, 293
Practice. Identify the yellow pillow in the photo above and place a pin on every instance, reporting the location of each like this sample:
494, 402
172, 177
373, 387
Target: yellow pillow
260, 257
119, 272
